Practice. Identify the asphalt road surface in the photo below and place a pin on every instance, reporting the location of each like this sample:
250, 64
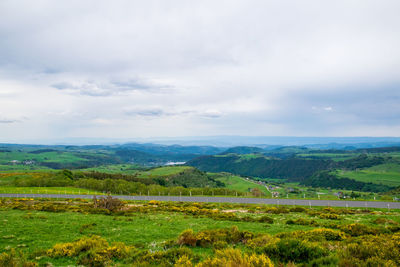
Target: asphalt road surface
274, 201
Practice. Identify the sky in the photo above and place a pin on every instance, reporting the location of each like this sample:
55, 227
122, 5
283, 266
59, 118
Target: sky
138, 69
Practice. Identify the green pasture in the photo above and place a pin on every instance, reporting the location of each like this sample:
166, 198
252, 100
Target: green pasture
332, 156
250, 156
241, 184
135, 169
163, 171
46, 190
31, 231
115, 168
387, 174
54, 156
34, 230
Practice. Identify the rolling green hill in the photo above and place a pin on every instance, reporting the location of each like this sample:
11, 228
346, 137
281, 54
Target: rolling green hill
387, 174
238, 183
294, 169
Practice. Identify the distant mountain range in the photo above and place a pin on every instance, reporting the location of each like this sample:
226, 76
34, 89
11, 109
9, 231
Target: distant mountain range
232, 141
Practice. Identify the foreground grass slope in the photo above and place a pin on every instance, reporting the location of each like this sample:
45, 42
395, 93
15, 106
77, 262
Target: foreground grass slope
161, 233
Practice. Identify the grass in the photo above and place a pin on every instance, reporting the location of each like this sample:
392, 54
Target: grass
387, 174
163, 171
55, 156
241, 184
332, 156
46, 190
21, 168
134, 169
34, 230
250, 156
38, 230
115, 168
31, 231
9, 177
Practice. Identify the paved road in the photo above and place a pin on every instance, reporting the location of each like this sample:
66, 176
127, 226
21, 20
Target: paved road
297, 202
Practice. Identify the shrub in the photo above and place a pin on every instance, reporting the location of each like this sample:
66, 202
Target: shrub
382, 250
293, 250
75, 248
93, 259
209, 237
319, 234
234, 258
297, 209
381, 220
329, 216
357, 229
187, 237
266, 219
329, 261
8, 259
261, 241
109, 203
12, 259
277, 210
154, 202
302, 221
91, 251
183, 261
220, 244
165, 258
322, 234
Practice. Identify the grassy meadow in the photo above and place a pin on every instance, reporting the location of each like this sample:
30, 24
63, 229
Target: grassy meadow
151, 231
387, 174
238, 183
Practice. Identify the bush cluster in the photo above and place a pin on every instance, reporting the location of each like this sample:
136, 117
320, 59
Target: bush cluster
207, 238
329, 216
15, 259
315, 235
92, 251
230, 257
381, 250
109, 203
293, 250
302, 221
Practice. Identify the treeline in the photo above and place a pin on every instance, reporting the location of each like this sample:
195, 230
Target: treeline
189, 180
118, 186
362, 161
327, 179
293, 169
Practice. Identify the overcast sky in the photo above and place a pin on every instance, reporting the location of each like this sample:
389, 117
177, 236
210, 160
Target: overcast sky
128, 69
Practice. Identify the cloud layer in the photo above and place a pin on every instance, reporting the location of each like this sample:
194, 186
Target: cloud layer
179, 68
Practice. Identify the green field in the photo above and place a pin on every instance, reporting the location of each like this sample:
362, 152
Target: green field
46, 190
63, 157
163, 171
251, 156
332, 156
114, 168
150, 224
387, 174
134, 169
241, 184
